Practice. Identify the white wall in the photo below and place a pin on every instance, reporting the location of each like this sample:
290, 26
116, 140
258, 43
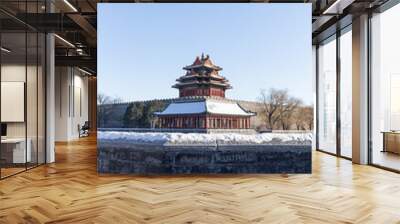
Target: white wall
79, 110
62, 82
17, 73
33, 126
71, 102
10, 73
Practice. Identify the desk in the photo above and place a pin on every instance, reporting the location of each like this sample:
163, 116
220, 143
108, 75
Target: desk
15, 148
391, 141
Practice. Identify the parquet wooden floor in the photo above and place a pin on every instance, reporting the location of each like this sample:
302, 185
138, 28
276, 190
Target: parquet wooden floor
70, 191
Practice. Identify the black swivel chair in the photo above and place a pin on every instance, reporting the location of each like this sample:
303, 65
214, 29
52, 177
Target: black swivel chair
84, 130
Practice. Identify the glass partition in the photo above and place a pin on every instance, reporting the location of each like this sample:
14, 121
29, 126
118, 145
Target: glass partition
14, 153
327, 96
22, 108
31, 99
41, 97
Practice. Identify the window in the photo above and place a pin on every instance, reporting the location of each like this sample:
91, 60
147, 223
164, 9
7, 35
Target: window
327, 95
346, 93
385, 89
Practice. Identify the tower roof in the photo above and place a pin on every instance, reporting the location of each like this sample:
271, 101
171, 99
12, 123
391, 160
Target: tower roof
202, 78
202, 62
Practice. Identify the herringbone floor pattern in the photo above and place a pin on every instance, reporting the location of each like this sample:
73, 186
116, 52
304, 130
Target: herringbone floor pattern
70, 191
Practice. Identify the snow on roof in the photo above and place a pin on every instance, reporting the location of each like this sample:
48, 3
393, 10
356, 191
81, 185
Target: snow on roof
207, 106
215, 107
184, 108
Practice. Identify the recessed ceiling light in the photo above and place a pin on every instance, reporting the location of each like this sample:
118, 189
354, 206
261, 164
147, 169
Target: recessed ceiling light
5, 50
64, 40
70, 5
84, 71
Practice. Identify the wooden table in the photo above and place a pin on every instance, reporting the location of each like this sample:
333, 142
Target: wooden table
391, 141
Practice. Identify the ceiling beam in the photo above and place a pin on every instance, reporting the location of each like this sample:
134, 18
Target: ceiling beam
338, 6
78, 61
86, 26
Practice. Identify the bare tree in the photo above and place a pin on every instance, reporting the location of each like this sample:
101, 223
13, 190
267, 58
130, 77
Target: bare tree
102, 115
116, 100
272, 101
278, 109
103, 99
308, 116
303, 118
106, 106
286, 112
298, 119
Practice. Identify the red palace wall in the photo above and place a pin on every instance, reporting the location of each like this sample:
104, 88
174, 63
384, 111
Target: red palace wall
203, 121
201, 92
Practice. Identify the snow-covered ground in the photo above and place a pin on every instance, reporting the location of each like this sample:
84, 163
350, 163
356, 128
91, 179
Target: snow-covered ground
208, 139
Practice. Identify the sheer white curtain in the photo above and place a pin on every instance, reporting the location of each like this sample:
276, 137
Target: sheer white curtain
327, 96
346, 93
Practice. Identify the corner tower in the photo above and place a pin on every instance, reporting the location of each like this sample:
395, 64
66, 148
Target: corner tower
202, 105
202, 79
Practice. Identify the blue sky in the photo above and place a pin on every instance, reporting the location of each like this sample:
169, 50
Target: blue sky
143, 47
